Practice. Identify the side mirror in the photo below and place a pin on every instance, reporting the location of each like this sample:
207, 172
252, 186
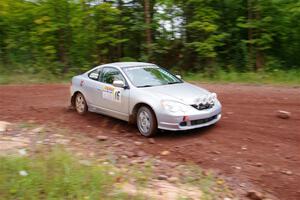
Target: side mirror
119, 83
178, 76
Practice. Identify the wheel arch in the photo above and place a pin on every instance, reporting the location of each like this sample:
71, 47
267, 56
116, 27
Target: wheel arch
133, 115
73, 98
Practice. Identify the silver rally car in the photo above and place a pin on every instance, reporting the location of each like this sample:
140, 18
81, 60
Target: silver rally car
145, 94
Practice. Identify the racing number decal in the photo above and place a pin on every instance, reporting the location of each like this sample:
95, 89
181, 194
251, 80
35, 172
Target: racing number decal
117, 95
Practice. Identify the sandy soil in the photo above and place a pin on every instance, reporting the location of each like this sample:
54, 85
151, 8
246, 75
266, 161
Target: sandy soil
250, 145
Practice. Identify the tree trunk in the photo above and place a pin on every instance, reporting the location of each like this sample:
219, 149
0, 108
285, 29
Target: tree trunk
189, 58
260, 60
250, 33
148, 30
62, 50
120, 35
3, 54
259, 56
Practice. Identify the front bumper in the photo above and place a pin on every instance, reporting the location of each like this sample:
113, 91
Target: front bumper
196, 119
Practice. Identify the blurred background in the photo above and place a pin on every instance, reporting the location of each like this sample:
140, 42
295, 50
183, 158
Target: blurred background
218, 40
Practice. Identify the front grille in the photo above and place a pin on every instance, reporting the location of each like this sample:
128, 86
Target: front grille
202, 121
202, 106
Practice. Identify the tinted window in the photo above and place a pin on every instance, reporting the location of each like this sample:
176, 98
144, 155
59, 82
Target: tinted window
95, 74
147, 76
109, 75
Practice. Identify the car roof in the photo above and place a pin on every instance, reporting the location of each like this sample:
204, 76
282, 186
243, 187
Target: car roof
127, 64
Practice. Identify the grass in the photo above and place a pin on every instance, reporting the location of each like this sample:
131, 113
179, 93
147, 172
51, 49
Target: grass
22, 78
55, 175
276, 77
141, 175
210, 186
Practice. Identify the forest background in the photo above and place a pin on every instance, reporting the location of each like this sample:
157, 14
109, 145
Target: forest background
206, 40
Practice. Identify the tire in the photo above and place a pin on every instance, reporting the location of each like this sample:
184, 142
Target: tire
80, 104
146, 122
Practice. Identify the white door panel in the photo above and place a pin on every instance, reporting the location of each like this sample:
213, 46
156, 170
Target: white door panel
115, 99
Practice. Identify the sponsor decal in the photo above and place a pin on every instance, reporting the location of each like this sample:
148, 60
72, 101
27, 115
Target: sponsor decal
111, 93
81, 83
108, 89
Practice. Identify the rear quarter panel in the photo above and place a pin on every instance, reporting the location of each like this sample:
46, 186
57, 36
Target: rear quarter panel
76, 86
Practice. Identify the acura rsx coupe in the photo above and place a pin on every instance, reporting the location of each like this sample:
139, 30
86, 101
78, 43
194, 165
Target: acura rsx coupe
145, 94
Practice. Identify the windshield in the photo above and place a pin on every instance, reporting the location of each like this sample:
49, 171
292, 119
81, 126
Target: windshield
148, 76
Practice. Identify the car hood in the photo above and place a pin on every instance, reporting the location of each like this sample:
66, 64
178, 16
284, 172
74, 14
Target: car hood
182, 92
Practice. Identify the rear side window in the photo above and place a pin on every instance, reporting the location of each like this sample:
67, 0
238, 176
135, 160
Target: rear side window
109, 75
95, 74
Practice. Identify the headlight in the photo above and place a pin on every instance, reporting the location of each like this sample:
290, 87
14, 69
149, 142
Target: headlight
213, 98
210, 98
174, 106
213, 95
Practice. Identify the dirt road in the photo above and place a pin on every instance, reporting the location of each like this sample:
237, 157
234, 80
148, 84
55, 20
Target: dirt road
250, 144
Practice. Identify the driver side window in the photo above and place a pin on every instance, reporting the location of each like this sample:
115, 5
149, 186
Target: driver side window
109, 75
95, 74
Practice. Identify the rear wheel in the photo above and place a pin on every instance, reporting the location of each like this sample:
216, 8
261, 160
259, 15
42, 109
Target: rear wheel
80, 104
146, 121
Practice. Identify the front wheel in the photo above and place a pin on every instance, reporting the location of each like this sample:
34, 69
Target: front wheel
146, 121
80, 104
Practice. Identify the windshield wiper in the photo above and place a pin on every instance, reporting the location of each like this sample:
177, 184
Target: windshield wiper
145, 86
173, 82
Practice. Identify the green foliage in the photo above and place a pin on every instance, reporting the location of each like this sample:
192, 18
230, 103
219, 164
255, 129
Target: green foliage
204, 35
56, 175
274, 77
29, 78
71, 36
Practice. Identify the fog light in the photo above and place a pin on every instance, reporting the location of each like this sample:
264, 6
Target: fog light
183, 124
